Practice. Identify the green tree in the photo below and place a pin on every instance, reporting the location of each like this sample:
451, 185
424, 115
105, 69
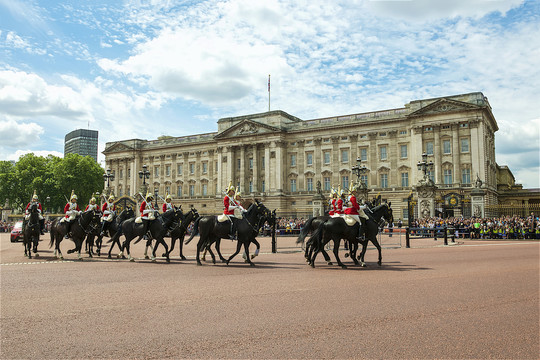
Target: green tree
6, 181
30, 172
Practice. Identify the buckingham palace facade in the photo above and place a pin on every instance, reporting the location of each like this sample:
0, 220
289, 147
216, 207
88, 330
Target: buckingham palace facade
279, 158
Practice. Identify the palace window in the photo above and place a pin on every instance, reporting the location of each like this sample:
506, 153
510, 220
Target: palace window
263, 163
345, 182
309, 184
384, 181
382, 150
466, 176
204, 167
238, 163
156, 171
179, 191
464, 145
403, 132
121, 171
326, 157
344, 156
404, 179
363, 154
431, 175
129, 173
263, 187
250, 163
403, 151
167, 189
192, 168
448, 176
293, 185
191, 190
447, 149
364, 179
205, 189
167, 170
293, 159
327, 186
429, 148
309, 159
179, 169
250, 186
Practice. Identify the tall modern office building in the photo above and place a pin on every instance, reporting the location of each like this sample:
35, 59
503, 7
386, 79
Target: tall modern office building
83, 142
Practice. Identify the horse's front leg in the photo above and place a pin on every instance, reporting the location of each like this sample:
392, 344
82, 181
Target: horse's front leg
246, 251
363, 252
238, 247
257, 249
148, 244
198, 253
36, 243
173, 241
353, 248
181, 246
161, 241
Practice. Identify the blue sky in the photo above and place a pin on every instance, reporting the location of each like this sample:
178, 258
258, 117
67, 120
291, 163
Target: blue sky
141, 69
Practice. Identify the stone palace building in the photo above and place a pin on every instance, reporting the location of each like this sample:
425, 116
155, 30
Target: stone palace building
280, 159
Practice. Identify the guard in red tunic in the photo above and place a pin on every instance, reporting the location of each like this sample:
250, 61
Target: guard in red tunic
332, 202
339, 203
92, 205
354, 210
167, 205
229, 205
72, 211
109, 210
147, 211
35, 200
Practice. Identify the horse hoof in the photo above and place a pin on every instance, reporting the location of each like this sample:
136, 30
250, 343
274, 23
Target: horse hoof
109, 257
253, 256
168, 260
347, 255
312, 265
36, 255
343, 266
90, 255
379, 263
132, 259
146, 257
363, 265
330, 263
182, 257
61, 258
154, 260
199, 263
164, 255
252, 264
227, 262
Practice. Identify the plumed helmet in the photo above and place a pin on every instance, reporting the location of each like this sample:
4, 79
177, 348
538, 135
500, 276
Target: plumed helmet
333, 192
34, 197
73, 196
168, 197
353, 187
229, 188
92, 200
237, 193
342, 192
111, 198
149, 196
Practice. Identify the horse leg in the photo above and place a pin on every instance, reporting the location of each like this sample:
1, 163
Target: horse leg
336, 253
212, 254
376, 243
238, 247
148, 244
246, 251
258, 248
181, 246
36, 243
126, 246
173, 241
166, 254
363, 252
218, 249
197, 256
353, 248
57, 248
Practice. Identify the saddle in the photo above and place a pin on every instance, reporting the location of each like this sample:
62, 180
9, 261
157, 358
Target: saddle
222, 218
349, 220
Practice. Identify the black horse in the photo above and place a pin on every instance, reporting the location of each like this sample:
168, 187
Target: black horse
309, 227
211, 230
114, 229
157, 229
31, 232
179, 232
79, 229
336, 229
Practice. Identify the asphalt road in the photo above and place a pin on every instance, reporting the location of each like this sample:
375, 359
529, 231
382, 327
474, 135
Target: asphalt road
474, 300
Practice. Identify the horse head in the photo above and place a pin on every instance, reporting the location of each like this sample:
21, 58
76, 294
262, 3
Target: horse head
388, 214
194, 213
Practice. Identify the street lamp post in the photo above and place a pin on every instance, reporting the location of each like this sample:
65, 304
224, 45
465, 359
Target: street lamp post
108, 177
156, 193
144, 174
360, 169
48, 201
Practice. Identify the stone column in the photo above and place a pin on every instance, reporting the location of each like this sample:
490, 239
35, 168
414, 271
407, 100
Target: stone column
318, 201
416, 153
230, 166
300, 164
394, 179
267, 170
198, 173
437, 154
426, 200
456, 164
219, 171
255, 172
242, 172
477, 200
280, 168
317, 159
373, 159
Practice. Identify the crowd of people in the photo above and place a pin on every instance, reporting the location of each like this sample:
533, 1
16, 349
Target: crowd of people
504, 227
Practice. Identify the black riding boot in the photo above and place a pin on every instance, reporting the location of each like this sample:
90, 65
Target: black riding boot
232, 234
103, 228
68, 229
42, 226
361, 227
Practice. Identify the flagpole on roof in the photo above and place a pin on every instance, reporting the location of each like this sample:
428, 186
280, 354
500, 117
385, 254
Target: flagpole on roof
269, 92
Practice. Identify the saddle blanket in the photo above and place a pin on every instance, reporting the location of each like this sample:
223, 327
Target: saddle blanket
222, 218
138, 220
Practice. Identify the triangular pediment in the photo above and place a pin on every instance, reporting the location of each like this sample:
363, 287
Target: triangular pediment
247, 128
444, 106
117, 147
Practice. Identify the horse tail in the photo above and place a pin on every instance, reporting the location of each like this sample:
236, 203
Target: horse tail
51, 233
195, 230
315, 240
305, 230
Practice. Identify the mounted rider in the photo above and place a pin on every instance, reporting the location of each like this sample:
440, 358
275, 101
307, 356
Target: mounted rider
332, 202
109, 210
72, 211
35, 201
230, 205
92, 204
147, 211
339, 203
353, 210
167, 205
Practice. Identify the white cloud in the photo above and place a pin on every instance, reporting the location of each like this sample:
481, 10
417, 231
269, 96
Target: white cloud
423, 10
17, 154
14, 134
